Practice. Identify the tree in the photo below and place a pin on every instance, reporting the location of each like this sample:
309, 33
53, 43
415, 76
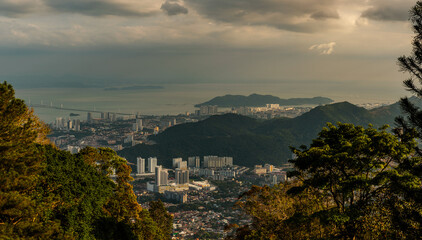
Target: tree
279, 215
412, 64
47, 193
354, 168
163, 219
21, 215
125, 218
345, 187
408, 214
78, 193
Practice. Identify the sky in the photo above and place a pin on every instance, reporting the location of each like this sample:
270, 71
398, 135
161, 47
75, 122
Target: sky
90, 43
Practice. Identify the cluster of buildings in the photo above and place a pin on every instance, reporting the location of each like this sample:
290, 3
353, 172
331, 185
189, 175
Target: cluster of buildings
207, 110
271, 111
108, 129
271, 175
69, 124
218, 168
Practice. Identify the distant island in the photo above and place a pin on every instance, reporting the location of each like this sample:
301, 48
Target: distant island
257, 100
74, 114
133, 88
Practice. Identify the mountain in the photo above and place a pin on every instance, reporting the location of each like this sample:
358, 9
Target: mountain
250, 141
256, 100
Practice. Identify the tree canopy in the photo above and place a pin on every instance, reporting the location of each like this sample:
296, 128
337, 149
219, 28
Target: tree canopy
345, 185
47, 193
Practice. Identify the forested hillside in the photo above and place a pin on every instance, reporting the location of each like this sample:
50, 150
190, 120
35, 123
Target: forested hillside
257, 100
251, 141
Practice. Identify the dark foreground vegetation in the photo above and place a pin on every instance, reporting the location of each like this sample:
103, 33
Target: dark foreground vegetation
47, 193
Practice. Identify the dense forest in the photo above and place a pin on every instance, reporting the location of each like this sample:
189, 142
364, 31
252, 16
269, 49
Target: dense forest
47, 193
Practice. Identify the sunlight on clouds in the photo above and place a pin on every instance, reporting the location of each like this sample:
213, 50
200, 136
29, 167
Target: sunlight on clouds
324, 48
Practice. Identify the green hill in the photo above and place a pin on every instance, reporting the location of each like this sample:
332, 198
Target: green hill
250, 141
256, 100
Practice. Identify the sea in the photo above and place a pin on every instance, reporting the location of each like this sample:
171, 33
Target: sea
173, 99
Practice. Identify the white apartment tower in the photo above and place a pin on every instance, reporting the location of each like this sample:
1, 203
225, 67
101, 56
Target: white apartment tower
182, 176
157, 175
152, 163
140, 164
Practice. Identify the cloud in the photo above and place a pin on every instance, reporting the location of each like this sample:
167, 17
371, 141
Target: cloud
173, 8
324, 48
325, 14
15, 8
297, 16
98, 8
393, 10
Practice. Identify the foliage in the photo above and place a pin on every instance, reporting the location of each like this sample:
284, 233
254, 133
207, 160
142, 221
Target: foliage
47, 193
352, 167
77, 190
277, 215
163, 219
20, 163
407, 204
346, 187
122, 206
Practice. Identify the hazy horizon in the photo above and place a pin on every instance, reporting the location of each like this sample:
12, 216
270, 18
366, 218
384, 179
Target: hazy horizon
316, 48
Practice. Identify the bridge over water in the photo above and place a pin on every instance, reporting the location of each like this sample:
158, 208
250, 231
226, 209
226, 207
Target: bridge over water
75, 109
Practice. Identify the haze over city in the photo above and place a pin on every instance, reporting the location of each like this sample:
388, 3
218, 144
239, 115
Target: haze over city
312, 46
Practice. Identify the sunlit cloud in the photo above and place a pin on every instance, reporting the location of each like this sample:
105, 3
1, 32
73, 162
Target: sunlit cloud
324, 48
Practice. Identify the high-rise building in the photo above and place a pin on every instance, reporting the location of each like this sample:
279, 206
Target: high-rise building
157, 175
139, 123
208, 110
59, 124
182, 165
77, 125
194, 162
140, 164
176, 161
89, 117
164, 177
269, 167
70, 124
161, 176
217, 162
182, 176
135, 127
152, 163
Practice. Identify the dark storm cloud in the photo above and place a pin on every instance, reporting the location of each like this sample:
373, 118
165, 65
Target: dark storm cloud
298, 15
396, 10
15, 9
173, 8
97, 8
321, 15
